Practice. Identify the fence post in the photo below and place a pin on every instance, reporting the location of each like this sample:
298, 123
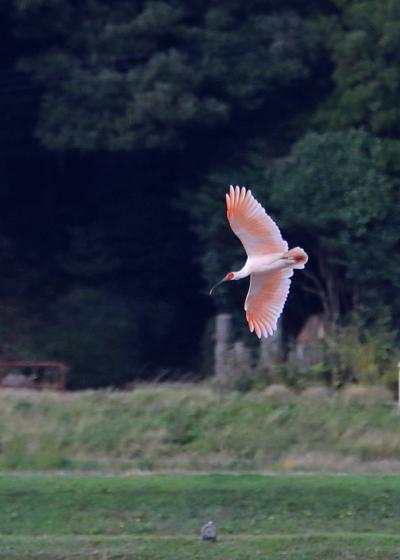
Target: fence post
222, 338
270, 350
398, 387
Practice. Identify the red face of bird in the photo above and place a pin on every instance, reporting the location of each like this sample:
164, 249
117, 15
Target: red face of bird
229, 276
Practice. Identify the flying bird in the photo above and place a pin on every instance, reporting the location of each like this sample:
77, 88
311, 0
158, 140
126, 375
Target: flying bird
269, 262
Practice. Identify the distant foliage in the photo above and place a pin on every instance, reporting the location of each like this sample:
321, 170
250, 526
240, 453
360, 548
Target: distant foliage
366, 54
126, 75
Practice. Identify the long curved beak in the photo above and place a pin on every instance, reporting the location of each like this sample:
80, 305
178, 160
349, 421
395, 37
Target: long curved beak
217, 284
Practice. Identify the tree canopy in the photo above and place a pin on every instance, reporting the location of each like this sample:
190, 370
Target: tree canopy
134, 75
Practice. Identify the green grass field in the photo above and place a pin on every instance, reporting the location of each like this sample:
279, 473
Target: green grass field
195, 428
159, 517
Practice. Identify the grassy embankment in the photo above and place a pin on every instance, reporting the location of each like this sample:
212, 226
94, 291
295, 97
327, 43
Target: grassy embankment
195, 428
158, 518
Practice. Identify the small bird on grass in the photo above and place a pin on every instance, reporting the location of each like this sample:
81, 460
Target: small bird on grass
269, 262
209, 532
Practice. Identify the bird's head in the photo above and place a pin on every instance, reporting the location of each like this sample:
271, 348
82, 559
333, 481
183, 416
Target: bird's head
226, 278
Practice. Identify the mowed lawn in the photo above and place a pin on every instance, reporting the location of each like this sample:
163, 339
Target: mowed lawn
159, 517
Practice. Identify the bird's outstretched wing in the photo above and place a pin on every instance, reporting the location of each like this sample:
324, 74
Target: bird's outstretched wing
265, 300
258, 232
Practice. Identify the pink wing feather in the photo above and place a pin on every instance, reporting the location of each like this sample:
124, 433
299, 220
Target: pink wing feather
265, 300
258, 232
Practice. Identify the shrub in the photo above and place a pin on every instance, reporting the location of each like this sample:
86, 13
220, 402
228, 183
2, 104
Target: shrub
363, 354
366, 394
278, 393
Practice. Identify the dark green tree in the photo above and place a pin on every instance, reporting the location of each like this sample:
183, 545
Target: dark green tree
133, 75
334, 192
366, 53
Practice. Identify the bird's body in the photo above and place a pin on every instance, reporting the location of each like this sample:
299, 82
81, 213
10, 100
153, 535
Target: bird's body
262, 264
269, 262
209, 532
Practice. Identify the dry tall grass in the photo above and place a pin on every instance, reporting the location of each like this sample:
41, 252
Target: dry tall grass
191, 427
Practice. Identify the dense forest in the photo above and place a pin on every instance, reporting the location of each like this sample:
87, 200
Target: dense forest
122, 125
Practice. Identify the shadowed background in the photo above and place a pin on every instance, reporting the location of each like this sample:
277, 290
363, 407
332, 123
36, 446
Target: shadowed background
121, 126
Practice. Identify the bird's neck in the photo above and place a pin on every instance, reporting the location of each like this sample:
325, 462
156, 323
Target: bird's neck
243, 272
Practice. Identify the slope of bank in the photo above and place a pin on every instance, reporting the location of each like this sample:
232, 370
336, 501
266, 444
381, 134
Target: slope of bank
194, 428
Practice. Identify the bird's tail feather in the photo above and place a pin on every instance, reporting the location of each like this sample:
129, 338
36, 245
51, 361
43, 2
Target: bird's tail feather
299, 255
